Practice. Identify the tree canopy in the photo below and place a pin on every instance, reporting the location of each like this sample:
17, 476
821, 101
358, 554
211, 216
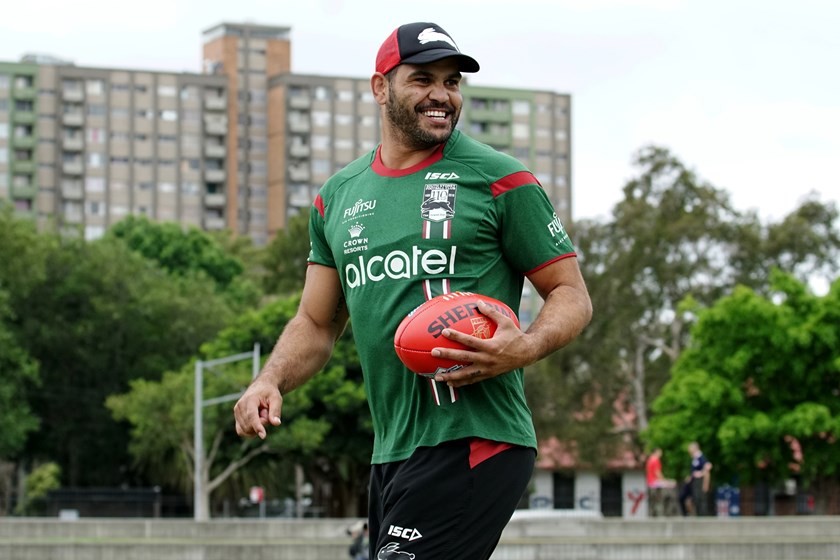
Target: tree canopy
759, 385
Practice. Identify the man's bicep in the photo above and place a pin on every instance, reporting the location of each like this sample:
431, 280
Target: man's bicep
322, 301
564, 272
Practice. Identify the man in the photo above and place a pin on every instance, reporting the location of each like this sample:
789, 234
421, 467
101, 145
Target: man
701, 479
430, 211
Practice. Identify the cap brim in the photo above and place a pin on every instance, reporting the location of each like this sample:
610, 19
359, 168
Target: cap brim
465, 63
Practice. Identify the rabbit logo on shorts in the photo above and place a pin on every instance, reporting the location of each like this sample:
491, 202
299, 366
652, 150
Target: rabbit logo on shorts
391, 551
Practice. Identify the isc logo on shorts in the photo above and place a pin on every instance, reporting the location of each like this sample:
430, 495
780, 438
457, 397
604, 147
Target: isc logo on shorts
404, 532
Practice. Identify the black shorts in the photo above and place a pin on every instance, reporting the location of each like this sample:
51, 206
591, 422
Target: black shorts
447, 502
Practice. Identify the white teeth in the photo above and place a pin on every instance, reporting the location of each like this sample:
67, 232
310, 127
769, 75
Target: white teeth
435, 114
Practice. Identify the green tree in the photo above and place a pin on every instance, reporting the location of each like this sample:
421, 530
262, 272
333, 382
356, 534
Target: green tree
286, 257
40, 481
102, 316
18, 371
188, 252
758, 386
672, 244
326, 424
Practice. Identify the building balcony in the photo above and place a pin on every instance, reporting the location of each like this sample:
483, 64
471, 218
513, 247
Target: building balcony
73, 119
24, 93
489, 115
23, 117
24, 191
73, 168
73, 144
23, 167
214, 200
215, 103
72, 192
24, 142
214, 175
214, 222
76, 95
299, 151
299, 126
498, 140
299, 174
214, 150
300, 102
215, 127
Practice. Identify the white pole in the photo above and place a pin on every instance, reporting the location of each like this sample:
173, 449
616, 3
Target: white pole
198, 445
255, 368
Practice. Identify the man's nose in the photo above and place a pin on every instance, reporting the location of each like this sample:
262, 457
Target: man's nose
438, 92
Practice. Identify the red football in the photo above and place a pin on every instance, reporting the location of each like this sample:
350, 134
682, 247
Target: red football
420, 330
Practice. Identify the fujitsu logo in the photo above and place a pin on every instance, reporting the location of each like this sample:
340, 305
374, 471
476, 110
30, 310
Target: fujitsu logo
398, 265
555, 227
360, 206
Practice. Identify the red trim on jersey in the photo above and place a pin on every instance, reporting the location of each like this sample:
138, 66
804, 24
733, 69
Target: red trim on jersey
554, 260
319, 204
380, 169
483, 449
512, 181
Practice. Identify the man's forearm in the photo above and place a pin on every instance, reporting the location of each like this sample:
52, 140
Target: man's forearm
565, 313
301, 351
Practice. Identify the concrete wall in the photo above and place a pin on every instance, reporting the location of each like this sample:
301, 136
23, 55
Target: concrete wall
556, 538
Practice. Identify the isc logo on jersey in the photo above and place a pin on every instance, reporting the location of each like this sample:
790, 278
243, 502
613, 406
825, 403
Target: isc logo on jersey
398, 265
452, 175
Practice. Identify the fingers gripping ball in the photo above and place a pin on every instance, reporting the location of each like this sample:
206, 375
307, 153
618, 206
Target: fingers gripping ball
422, 329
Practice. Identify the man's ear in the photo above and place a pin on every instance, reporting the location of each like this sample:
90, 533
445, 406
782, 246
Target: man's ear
379, 86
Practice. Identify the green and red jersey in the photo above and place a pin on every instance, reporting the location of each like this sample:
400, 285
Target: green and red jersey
468, 218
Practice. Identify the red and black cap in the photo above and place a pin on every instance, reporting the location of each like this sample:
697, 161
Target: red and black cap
420, 43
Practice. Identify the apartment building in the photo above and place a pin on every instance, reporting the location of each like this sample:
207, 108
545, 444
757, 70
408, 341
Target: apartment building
92, 145
243, 145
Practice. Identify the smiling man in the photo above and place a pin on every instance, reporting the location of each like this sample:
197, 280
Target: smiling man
430, 211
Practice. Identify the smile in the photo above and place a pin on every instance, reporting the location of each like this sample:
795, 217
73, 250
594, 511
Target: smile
435, 114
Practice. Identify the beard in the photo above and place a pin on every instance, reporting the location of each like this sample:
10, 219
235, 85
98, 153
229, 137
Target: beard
406, 123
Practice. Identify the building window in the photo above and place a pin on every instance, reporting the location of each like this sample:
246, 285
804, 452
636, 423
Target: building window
321, 166
322, 93
167, 91
521, 108
95, 110
94, 87
94, 160
94, 184
95, 134
169, 115
321, 118
521, 131
4, 81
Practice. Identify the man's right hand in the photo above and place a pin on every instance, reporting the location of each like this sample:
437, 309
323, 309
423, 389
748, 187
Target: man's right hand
258, 406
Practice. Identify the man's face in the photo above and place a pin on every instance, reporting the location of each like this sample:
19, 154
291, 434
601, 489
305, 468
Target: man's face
424, 102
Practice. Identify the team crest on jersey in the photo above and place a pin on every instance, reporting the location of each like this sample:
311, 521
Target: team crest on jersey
438, 202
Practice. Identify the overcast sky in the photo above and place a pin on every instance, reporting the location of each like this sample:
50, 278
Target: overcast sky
745, 92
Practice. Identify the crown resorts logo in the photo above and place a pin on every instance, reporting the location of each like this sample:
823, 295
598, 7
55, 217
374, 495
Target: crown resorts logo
356, 242
356, 230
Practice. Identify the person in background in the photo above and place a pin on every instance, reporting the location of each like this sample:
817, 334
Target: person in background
660, 489
700, 479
